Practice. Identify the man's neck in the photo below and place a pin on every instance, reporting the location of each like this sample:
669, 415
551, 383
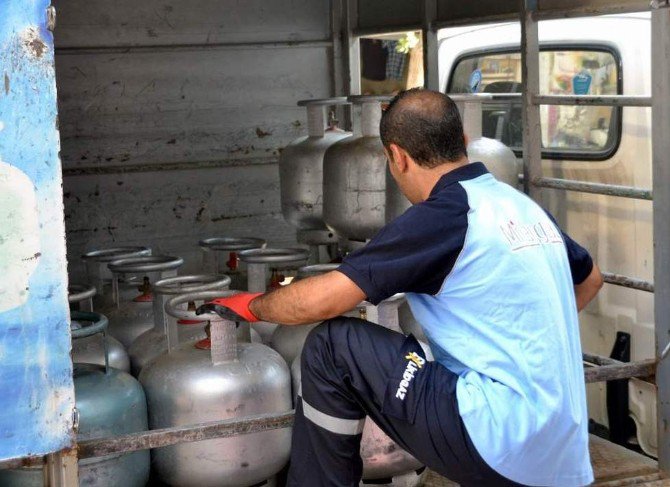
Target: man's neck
433, 175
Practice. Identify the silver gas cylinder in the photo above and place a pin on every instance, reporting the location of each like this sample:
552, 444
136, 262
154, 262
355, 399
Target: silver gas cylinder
354, 180
219, 256
214, 380
383, 459
301, 178
289, 340
498, 158
91, 349
153, 342
99, 275
109, 402
268, 269
134, 316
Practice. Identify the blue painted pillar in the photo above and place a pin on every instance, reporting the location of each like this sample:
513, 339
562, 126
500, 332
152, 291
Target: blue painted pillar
36, 390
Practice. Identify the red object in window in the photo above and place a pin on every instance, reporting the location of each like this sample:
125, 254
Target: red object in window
275, 280
232, 261
191, 307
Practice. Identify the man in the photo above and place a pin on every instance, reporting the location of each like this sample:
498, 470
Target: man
496, 287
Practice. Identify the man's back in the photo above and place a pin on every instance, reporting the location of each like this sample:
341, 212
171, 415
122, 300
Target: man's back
505, 320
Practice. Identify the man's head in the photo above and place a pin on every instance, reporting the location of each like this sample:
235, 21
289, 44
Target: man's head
422, 135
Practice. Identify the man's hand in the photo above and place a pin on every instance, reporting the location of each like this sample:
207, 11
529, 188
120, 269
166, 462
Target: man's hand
234, 308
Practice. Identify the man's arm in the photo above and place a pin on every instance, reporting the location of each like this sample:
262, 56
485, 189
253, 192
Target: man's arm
308, 300
587, 289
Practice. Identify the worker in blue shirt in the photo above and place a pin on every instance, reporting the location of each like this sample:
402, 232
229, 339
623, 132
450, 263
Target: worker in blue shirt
496, 287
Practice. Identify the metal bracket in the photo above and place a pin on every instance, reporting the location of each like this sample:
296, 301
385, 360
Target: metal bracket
656, 4
60, 469
75, 420
51, 18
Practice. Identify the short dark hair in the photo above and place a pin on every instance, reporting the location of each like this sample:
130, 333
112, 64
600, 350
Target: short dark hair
426, 124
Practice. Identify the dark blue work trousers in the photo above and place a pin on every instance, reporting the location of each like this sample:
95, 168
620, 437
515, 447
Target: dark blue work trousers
352, 369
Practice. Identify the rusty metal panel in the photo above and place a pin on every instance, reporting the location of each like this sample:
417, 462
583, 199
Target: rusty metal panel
172, 210
177, 137
571, 8
37, 396
383, 14
184, 105
90, 23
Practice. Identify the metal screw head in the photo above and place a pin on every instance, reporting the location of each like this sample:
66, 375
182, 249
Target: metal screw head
75, 420
51, 18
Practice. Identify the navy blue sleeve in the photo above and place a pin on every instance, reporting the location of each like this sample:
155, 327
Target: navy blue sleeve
413, 253
581, 263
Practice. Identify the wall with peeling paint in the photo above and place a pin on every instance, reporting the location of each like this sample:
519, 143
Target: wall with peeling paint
173, 114
36, 391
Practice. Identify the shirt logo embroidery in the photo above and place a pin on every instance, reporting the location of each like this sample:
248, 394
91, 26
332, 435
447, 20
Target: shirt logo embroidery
520, 236
414, 363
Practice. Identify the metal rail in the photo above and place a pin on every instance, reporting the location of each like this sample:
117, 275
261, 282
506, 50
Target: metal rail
603, 369
598, 369
603, 100
184, 434
594, 188
604, 373
629, 282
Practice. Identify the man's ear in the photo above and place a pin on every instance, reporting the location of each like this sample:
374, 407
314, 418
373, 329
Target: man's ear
400, 157
466, 140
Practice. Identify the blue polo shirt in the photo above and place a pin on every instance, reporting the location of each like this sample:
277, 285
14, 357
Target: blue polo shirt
490, 278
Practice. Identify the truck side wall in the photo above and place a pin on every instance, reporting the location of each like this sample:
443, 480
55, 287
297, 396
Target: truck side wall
173, 115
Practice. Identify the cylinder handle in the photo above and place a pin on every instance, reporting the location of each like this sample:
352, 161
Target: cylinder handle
362, 99
80, 292
274, 255
337, 100
115, 253
231, 243
98, 323
191, 284
150, 263
315, 270
173, 305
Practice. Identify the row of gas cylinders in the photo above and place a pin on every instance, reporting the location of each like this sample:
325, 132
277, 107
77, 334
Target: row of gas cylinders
144, 360
335, 185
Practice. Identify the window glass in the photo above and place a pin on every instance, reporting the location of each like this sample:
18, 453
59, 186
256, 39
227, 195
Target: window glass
567, 131
391, 63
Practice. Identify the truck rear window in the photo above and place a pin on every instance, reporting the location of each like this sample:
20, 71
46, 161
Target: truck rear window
568, 132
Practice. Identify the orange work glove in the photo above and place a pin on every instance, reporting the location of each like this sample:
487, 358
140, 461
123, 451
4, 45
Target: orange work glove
233, 308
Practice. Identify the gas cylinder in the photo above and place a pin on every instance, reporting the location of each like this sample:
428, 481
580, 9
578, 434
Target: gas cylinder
91, 349
354, 182
288, 340
301, 177
153, 342
219, 256
268, 269
109, 402
498, 158
99, 275
213, 380
383, 459
133, 317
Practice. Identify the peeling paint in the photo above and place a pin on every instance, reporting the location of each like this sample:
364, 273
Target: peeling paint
36, 411
33, 43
